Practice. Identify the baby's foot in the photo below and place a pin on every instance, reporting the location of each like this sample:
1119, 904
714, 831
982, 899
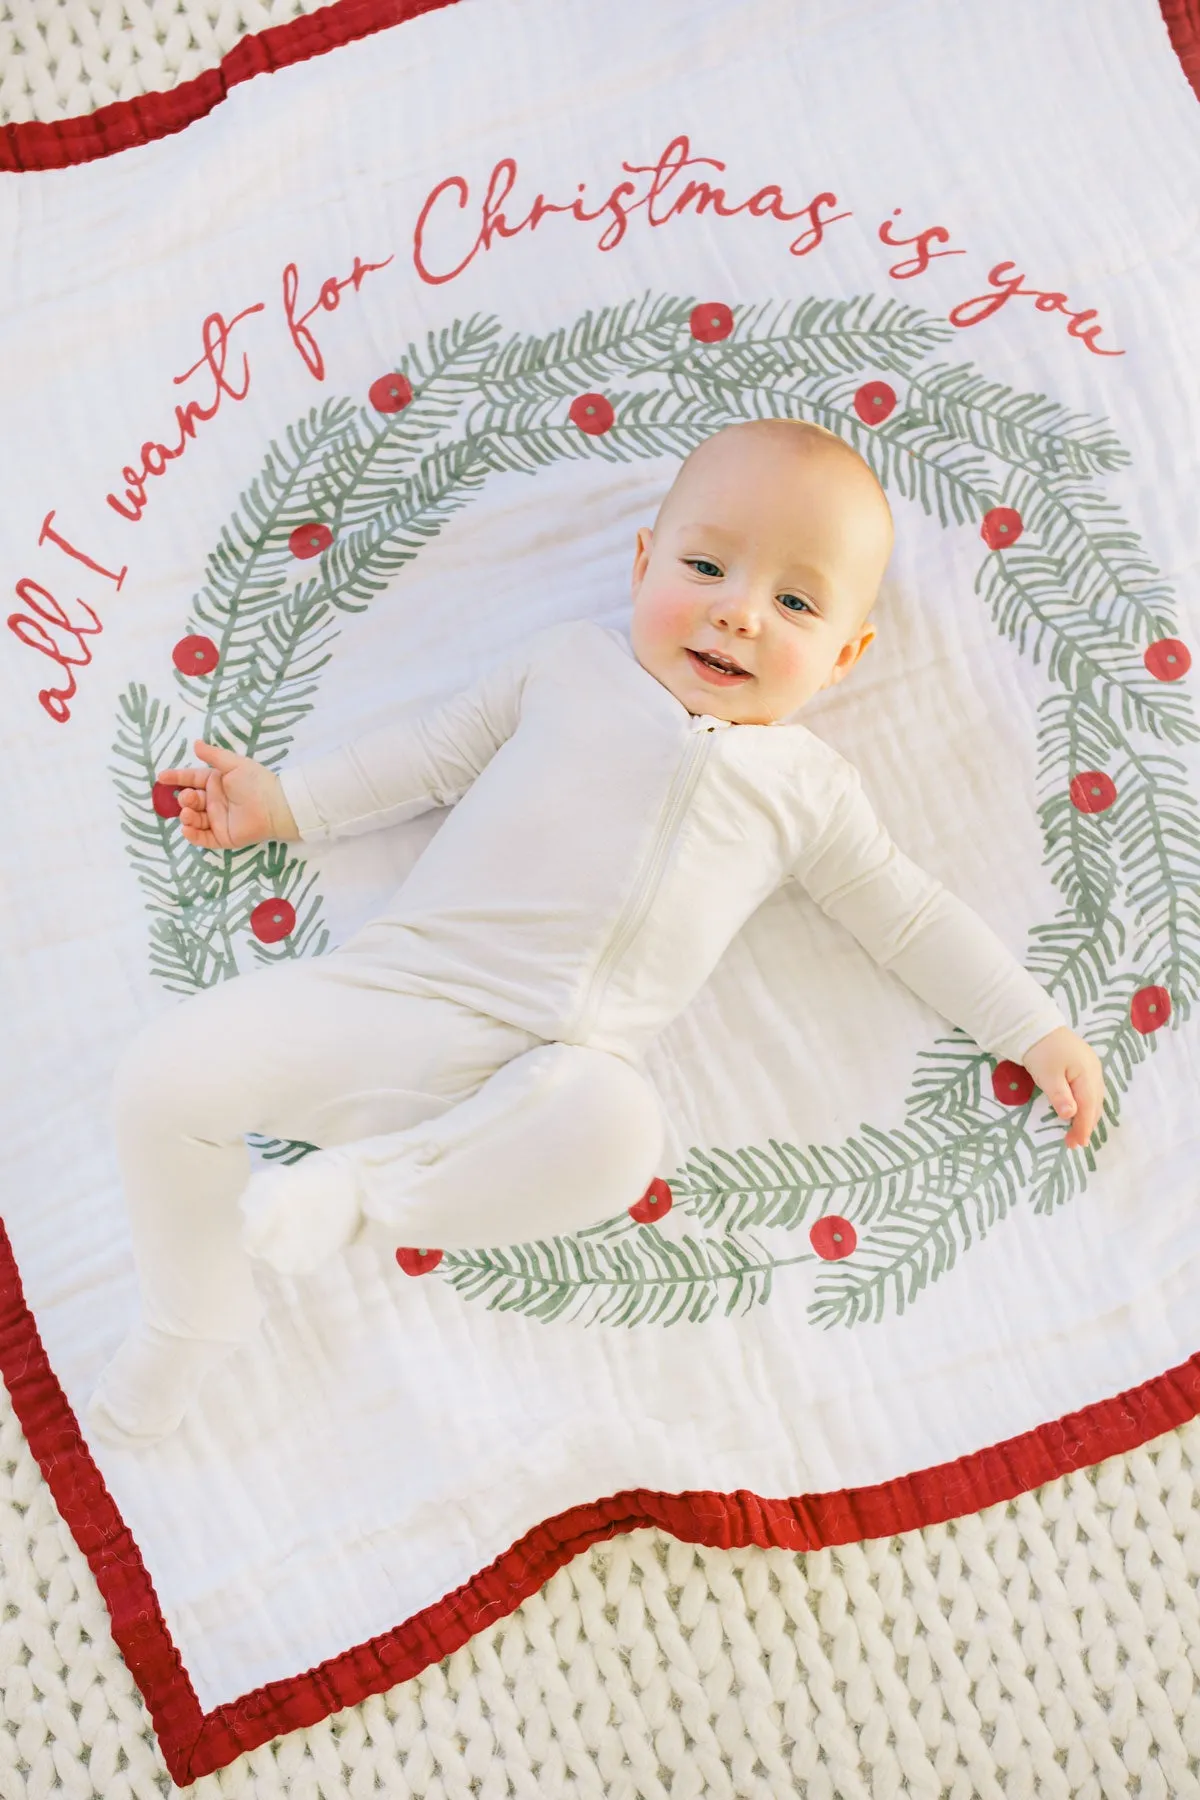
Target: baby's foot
295, 1218
150, 1383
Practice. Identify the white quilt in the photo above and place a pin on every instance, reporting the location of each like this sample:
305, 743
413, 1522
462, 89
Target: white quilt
1023, 379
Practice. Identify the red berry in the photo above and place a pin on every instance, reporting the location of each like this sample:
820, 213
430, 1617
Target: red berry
1012, 1084
874, 402
195, 656
272, 920
165, 800
309, 540
1001, 527
832, 1238
711, 322
592, 413
656, 1201
1149, 1008
1093, 791
418, 1262
390, 394
1168, 659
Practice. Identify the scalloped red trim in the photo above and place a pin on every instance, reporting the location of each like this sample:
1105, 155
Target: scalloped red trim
1182, 18
194, 1743
128, 123
125, 124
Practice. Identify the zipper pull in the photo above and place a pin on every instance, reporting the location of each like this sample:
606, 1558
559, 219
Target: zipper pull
705, 722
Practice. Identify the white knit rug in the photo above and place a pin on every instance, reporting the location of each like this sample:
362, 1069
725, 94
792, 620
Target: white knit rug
1046, 1647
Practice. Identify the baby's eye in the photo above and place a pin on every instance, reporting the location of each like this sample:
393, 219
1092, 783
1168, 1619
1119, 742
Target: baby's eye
794, 602
702, 564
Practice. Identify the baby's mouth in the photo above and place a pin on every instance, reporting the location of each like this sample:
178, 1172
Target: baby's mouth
715, 667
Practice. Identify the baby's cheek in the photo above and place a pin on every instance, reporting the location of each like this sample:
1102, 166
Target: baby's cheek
791, 663
670, 619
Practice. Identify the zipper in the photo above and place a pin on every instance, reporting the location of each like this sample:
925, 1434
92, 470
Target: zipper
629, 922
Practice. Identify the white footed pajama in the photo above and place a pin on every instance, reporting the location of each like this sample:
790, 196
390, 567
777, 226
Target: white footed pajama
461, 1130
467, 1061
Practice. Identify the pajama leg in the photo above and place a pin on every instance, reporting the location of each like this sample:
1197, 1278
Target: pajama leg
299, 1051
312, 1051
557, 1139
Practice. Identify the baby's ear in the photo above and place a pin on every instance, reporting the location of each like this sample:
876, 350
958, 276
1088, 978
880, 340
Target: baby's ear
854, 647
643, 545
847, 656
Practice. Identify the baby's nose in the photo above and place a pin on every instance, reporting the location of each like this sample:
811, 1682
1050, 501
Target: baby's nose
735, 611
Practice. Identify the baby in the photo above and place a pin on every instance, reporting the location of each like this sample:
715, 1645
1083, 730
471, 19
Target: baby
469, 1062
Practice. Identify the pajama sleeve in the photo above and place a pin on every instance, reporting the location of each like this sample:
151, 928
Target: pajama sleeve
911, 924
412, 765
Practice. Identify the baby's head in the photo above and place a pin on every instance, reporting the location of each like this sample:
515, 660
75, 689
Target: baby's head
767, 552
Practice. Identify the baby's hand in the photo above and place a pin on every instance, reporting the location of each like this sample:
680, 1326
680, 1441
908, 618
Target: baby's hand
1068, 1072
235, 801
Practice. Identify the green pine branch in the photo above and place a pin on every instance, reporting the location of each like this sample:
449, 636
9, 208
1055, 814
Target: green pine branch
587, 356
1157, 826
182, 895
1075, 735
199, 900
738, 1187
359, 564
1030, 607
920, 461
148, 739
778, 368
272, 677
1144, 849
911, 1247
1074, 958
804, 340
277, 875
362, 472
839, 337
863, 1178
644, 1278
524, 435
335, 465
1024, 430
281, 1150
252, 564
948, 1082
1098, 558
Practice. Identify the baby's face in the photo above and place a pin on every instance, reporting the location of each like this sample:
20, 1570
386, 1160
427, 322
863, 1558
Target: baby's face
767, 555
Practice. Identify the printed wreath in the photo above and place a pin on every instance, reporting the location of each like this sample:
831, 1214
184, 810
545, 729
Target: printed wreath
355, 491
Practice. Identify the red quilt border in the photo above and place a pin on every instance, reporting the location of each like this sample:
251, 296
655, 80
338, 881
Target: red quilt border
196, 1743
60, 143
1182, 19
